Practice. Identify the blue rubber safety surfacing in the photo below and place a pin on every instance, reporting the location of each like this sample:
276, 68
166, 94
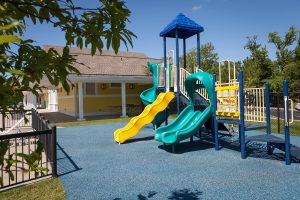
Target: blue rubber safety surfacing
93, 166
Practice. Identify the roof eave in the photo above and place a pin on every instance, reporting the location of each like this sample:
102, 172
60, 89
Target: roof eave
109, 78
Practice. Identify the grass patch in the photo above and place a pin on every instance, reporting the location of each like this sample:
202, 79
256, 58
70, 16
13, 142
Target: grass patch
93, 122
45, 190
294, 127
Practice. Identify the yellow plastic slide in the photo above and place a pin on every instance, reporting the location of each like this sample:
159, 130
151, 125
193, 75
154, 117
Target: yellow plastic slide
146, 117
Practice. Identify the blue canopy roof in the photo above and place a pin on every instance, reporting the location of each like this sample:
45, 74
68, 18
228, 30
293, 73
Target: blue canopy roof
185, 26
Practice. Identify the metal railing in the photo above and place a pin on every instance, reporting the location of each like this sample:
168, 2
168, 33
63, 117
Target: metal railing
14, 119
255, 104
254, 98
28, 156
183, 75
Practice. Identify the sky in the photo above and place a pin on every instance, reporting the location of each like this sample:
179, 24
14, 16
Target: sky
227, 23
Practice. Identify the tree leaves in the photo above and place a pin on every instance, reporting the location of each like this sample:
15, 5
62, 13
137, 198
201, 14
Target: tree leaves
259, 68
33, 160
258, 63
9, 38
9, 161
283, 54
24, 68
209, 58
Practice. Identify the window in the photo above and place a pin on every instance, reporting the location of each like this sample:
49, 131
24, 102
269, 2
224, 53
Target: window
115, 85
90, 89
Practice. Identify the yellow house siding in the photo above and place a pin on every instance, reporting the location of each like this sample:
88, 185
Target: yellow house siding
106, 100
109, 99
66, 105
101, 104
66, 100
62, 92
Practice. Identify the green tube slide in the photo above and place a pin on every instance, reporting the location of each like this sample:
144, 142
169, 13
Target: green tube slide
189, 121
148, 96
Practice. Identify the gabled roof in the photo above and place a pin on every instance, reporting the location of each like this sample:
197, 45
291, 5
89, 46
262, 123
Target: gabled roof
185, 26
108, 63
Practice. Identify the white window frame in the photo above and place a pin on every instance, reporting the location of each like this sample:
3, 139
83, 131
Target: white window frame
96, 89
113, 87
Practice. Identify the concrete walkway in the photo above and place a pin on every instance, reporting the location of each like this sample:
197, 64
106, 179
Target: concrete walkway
93, 166
57, 117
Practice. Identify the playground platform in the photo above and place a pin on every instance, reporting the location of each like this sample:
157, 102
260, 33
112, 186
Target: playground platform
92, 166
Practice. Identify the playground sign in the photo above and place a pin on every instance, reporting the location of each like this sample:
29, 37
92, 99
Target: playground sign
227, 98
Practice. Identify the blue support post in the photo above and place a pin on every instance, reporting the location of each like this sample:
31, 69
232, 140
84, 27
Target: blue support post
198, 51
215, 100
177, 73
268, 115
242, 119
184, 54
165, 74
286, 123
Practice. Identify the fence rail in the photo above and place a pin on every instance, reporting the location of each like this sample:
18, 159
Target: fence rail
15, 119
183, 75
255, 104
30, 155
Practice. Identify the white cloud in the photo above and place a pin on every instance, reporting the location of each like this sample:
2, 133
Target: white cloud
195, 8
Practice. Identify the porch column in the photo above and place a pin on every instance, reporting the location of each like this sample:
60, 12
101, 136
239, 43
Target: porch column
123, 87
34, 101
80, 99
75, 100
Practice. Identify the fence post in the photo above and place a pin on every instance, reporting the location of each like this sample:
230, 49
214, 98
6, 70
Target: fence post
242, 119
54, 159
278, 113
286, 123
215, 126
268, 115
32, 118
40, 122
3, 120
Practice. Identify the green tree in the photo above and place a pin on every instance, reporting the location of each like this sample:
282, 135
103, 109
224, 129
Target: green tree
258, 67
288, 59
291, 71
225, 66
23, 68
209, 58
283, 54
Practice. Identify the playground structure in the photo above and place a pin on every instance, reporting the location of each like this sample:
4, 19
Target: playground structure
146, 117
224, 102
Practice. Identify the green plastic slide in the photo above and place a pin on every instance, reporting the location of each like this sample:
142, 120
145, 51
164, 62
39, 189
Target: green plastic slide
189, 121
149, 96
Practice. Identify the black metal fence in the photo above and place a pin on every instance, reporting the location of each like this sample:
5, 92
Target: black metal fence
10, 118
28, 156
277, 112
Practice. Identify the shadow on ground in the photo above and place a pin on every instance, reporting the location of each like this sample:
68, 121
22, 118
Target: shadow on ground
254, 149
185, 147
65, 163
181, 194
139, 139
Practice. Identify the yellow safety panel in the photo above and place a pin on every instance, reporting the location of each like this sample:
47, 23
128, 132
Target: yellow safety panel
233, 87
146, 117
227, 114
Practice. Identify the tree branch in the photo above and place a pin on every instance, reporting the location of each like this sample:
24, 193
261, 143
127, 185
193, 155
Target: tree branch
48, 7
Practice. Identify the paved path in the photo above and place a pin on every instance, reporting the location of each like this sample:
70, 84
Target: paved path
58, 117
92, 166
274, 112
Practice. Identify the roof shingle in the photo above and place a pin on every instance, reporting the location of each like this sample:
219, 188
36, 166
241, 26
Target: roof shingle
109, 63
